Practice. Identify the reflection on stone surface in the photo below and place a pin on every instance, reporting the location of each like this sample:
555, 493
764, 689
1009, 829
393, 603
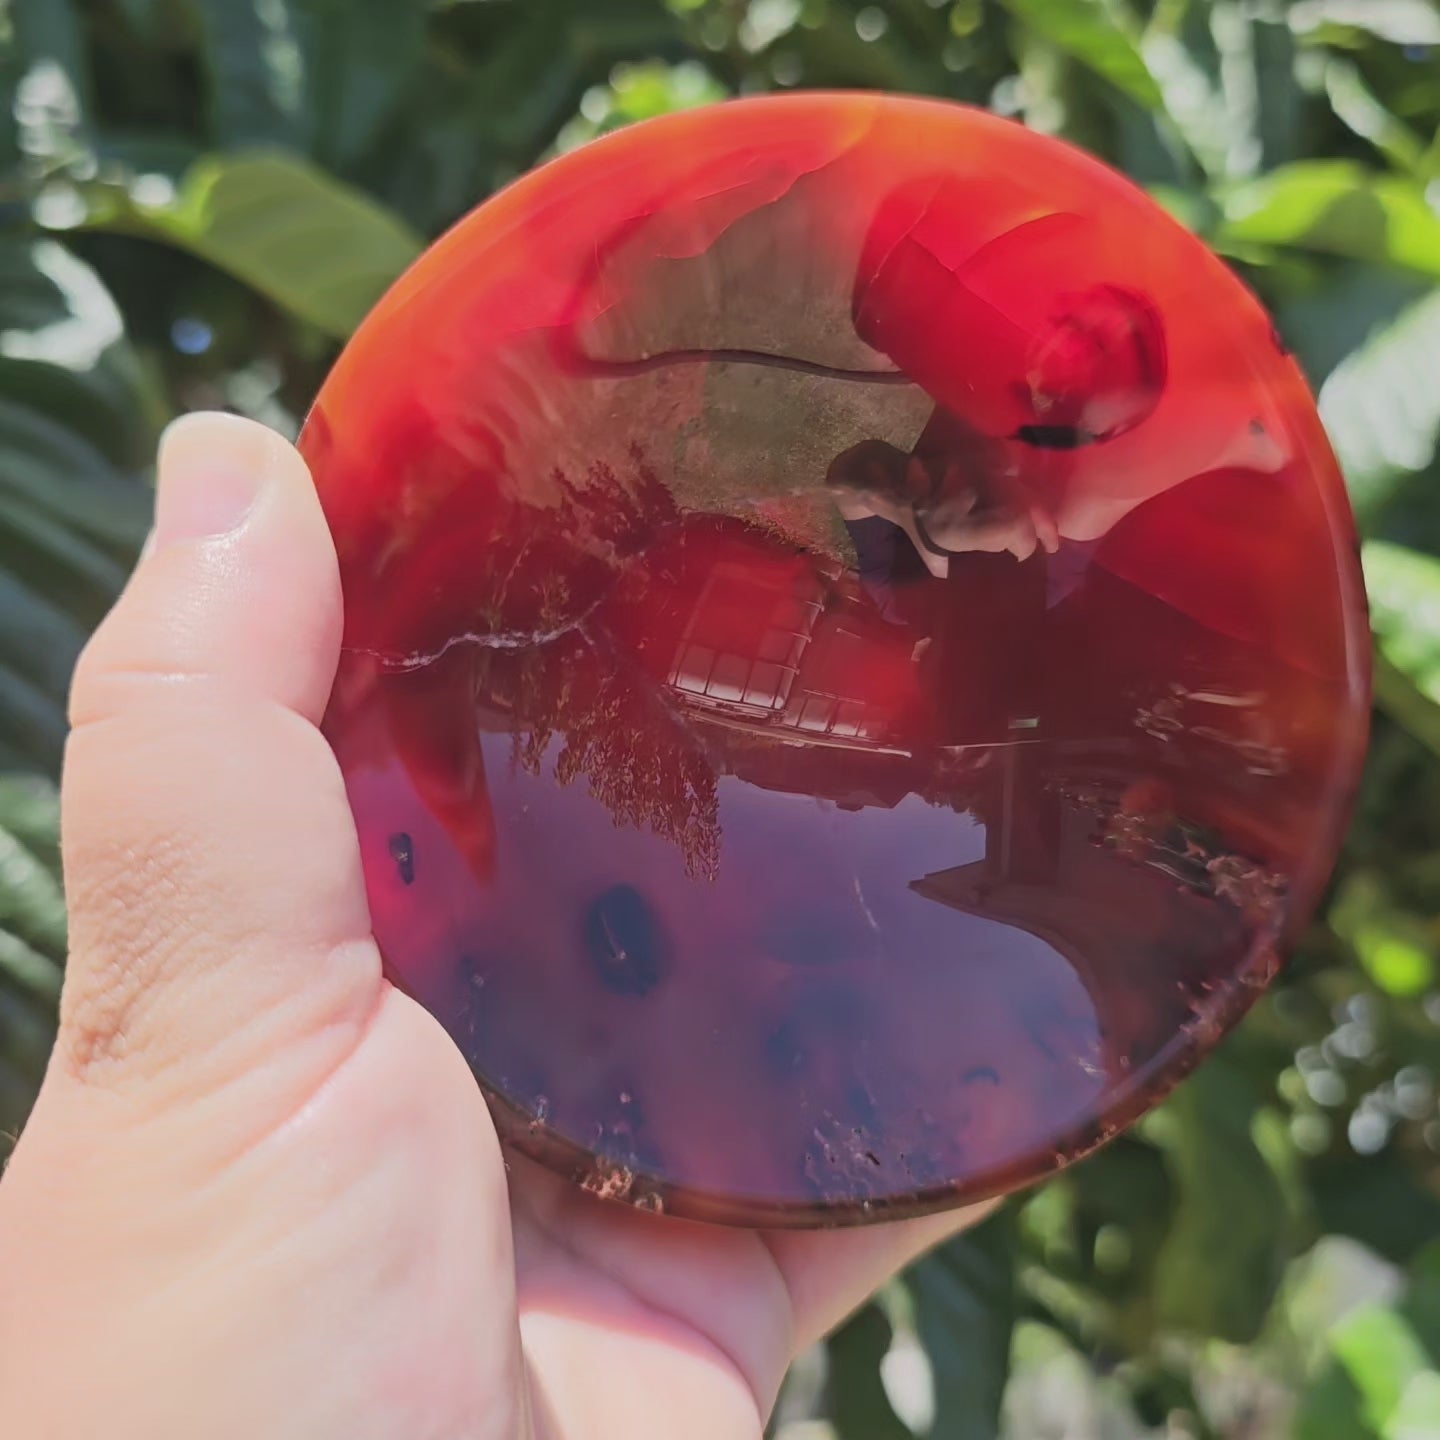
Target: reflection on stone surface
853, 660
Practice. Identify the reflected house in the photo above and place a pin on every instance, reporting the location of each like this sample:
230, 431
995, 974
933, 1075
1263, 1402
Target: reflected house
757, 659
796, 684
1118, 904
798, 656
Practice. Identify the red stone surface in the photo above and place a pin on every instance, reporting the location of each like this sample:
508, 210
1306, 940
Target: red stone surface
854, 653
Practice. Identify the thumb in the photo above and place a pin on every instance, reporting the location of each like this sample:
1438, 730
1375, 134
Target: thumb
218, 914
228, 1215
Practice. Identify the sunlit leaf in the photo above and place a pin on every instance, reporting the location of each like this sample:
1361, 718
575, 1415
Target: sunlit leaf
1382, 1356
1395, 948
1340, 208
74, 411
1404, 588
1089, 32
1416, 1414
49, 32
1381, 405
1359, 108
1402, 22
31, 903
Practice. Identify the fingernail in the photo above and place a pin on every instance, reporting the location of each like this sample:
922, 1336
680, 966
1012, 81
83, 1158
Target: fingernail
212, 468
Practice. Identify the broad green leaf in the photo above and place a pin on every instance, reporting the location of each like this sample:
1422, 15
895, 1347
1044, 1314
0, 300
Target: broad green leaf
320, 249
1381, 405
965, 1307
1339, 208
1088, 32
1224, 1256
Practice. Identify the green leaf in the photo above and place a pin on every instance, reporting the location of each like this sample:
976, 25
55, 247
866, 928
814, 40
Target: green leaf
30, 811
1357, 106
1381, 1201
32, 938
1180, 51
1382, 1356
73, 412
1125, 1199
1402, 22
1332, 1409
361, 59
1226, 1251
28, 969
59, 473
1279, 99
1404, 589
253, 65
32, 905
1416, 1415
965, 1306
320, 249
27, 1031
64, 355
49, 32
1381, 405
855, 1393
1086, 31
1339, 208
1395, 948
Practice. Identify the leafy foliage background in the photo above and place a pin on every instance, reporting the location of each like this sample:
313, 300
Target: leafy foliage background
200, 198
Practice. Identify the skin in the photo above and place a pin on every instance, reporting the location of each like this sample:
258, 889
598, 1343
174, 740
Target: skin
260, 1193
953, 522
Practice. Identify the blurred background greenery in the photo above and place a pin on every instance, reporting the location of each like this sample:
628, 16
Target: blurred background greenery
200, 198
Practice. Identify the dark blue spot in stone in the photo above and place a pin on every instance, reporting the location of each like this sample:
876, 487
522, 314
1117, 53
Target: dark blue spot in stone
402, 852
625, 941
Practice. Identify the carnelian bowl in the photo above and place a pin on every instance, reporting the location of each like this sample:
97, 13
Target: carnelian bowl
855, 661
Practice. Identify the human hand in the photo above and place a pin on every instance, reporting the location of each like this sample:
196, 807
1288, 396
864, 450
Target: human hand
260, 1193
